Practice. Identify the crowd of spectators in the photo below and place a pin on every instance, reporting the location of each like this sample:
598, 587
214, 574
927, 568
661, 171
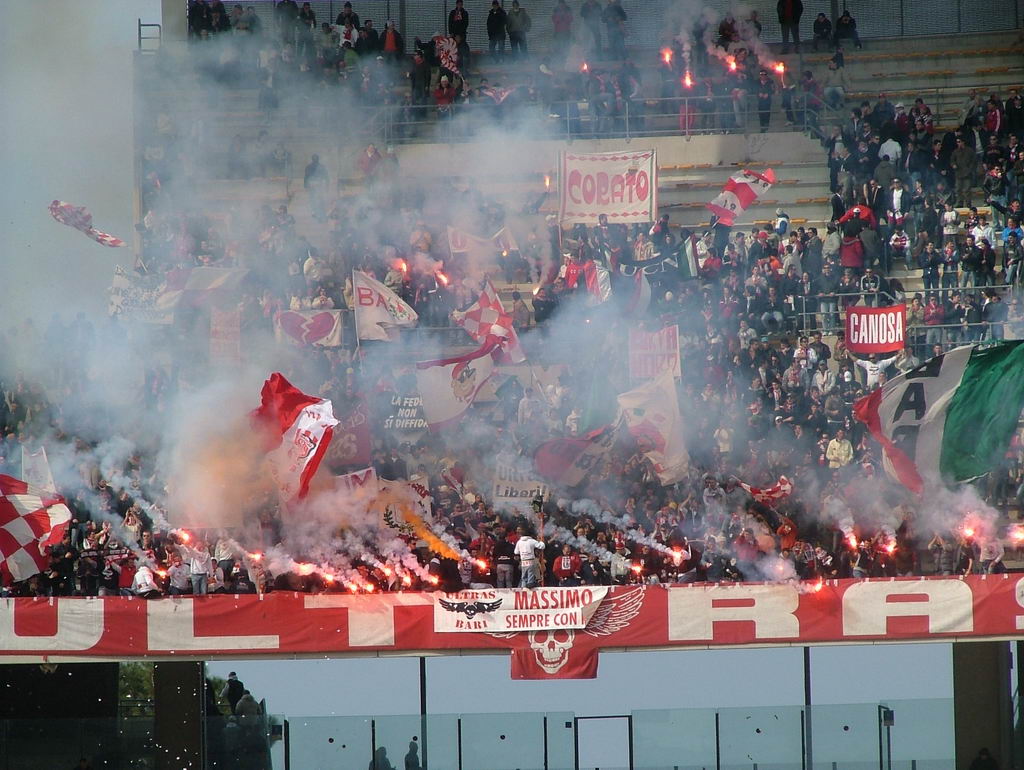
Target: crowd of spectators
762, 393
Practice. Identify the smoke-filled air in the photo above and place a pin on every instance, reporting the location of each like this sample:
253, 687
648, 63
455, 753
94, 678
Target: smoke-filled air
356, 338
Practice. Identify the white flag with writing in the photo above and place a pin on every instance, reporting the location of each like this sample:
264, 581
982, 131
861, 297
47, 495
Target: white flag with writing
379, 311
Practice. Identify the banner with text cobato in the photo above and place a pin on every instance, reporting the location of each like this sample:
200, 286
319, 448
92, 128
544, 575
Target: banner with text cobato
623, 185
529, 609
876, 329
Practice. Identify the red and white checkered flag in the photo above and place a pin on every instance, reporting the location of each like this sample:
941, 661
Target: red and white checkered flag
780, 490
739, 192
31, 519
79, 218
487, 318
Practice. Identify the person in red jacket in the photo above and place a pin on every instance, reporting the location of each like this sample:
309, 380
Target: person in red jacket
567, 567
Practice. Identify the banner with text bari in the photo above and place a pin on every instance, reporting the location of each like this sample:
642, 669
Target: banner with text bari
876, 329
622, 185
502, 611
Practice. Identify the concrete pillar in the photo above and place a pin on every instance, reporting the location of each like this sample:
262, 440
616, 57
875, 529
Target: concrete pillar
178, 725
982, 706
174, 18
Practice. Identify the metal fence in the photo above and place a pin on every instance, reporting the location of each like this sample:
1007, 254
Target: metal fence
593, 119
650, 23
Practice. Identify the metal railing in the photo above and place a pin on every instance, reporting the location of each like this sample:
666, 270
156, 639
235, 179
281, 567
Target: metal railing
808, 314
594, 119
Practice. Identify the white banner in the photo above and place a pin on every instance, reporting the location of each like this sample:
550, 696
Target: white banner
516, 489
379, 311
650, 353
35, 470
505, 610
623, 185
652, 417
310, 327
354, 483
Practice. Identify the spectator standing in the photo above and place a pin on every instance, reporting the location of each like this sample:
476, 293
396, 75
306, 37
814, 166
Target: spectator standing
822, 30
561, 24
315, 181
232, 691
458, 20
592, 17
496, 23
614, 16
347, 16
790, 12
518, 23
526, 552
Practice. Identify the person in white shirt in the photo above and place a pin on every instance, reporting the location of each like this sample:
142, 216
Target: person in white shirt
982, 231
873, 368
823, 379
178, 577
199, 561
526, 552
891, 148
143, 583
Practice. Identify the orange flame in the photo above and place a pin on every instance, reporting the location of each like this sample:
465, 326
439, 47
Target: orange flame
433, 579
480, 563
584, 67
666, 55
688, 79
442, 278
386, 571
969, 531
306, 569
162, 573
368, 588
184, 536
547, 182
731, 62
1017, 534
536, 290
819, 585
851, 540
780, 67
406, 580
403, 266
890, 548
352, 587
328, 578
255, 556
637, 568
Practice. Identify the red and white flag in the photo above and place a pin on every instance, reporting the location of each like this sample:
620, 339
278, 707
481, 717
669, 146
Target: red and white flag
487, 318
739, 192
449, 386
651, 413
379, 311
79, 218
296, 429
447, 51
780, 490
31, 520
196, 285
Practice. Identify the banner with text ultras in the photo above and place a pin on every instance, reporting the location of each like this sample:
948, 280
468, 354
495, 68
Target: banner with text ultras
623, 185
876, 329
505, 611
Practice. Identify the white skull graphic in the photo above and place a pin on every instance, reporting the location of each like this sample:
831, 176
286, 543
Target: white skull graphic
552, 648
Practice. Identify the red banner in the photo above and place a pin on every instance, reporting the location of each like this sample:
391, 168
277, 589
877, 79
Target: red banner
876, 329
978, 607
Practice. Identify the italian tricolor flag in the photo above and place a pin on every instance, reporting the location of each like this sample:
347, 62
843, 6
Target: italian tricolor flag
949, 419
